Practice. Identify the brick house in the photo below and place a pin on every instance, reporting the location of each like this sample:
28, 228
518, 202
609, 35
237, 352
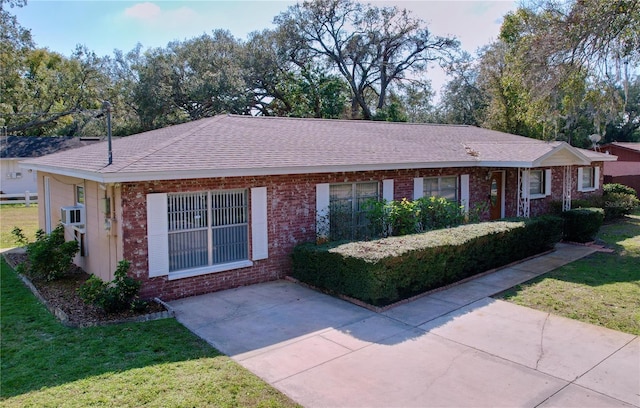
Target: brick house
220, 202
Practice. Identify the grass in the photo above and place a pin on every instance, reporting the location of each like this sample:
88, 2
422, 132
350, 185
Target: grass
602, 289
155, 364
12, 215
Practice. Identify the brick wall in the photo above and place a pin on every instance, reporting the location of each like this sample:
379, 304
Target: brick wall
291, 204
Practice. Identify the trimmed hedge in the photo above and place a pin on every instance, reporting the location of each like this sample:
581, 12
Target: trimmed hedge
582, 224
387, 270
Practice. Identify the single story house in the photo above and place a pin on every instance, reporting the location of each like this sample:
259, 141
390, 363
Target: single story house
220, 202
13, 149
627, 169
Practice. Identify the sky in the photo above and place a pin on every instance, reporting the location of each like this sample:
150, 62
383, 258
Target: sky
104, 26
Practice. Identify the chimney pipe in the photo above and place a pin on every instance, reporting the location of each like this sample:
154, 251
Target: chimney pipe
107, 108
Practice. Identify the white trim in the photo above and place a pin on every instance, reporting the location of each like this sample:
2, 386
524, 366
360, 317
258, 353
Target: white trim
387, 190
580, 171
259, 230
47, 205
418, 188
322, 210
188, 273
544, 186
157, 238
464, 192
596, 179
582, 159
547, 182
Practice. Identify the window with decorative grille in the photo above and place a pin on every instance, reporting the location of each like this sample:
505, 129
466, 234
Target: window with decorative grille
207, 228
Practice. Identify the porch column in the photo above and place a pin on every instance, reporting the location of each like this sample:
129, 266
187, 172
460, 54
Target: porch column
523, 192
566, 189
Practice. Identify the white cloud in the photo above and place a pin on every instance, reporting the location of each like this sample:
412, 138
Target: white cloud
143, 11
474, 23
153, 15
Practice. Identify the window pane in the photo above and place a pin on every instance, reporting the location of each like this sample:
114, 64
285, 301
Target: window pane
449, 188
587, 177
187, 211
445, 187
431, 187
188, 250
536, 182
229, 226
347, 218
229, 208
230, 244
80, 194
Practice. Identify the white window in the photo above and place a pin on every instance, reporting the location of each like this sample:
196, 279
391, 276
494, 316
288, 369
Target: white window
539, 183
207, 228
347, 212
445, 187
588, 178
536, 183
190, 234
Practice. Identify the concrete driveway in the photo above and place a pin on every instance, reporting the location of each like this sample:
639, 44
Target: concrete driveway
454, 348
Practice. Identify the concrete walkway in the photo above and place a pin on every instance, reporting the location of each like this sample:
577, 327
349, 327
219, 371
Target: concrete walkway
454, 348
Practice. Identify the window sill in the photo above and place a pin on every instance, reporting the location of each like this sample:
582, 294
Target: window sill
587, 189
537, 196
209, 269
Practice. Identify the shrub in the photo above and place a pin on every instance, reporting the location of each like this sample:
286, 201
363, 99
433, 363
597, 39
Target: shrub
618, 188
396, 218
383, 271
582, 224
618, 200
50, 256
438, 212
115, 296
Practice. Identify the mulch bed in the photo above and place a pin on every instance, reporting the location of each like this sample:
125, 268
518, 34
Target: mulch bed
62, 295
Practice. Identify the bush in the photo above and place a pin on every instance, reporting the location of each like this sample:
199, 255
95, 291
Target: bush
384, 271
396, 218
582, 224
618, 188
618, 200
115, 296
50, 256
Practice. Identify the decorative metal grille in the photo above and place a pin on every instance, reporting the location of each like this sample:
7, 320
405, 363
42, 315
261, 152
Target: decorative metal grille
207, 228
523, 193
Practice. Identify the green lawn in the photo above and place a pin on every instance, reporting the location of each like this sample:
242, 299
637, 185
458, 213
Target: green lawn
17, 215
602, 289
155, 364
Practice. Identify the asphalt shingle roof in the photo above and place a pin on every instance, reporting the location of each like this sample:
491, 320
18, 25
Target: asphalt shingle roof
35, 146
229, 143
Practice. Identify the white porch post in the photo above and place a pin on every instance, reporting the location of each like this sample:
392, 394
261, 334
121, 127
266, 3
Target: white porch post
566, 189
523, 192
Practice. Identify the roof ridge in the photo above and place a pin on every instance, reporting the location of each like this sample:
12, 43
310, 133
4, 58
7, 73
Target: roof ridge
377, 122
172, 140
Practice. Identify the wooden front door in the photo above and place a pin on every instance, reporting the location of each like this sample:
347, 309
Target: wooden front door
495, 195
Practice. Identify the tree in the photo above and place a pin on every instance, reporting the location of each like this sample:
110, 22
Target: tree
463, 100
207, 75
285, 83
372, 48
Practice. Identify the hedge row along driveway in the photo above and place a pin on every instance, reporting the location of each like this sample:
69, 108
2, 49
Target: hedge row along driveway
384, 271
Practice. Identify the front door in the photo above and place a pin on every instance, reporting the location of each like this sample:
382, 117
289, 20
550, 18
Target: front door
495, 195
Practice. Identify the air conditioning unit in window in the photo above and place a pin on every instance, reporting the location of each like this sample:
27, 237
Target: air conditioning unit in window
72, 215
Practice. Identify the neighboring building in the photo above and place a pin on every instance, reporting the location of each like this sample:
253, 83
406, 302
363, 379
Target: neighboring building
627, 169
13, 179
220, 202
